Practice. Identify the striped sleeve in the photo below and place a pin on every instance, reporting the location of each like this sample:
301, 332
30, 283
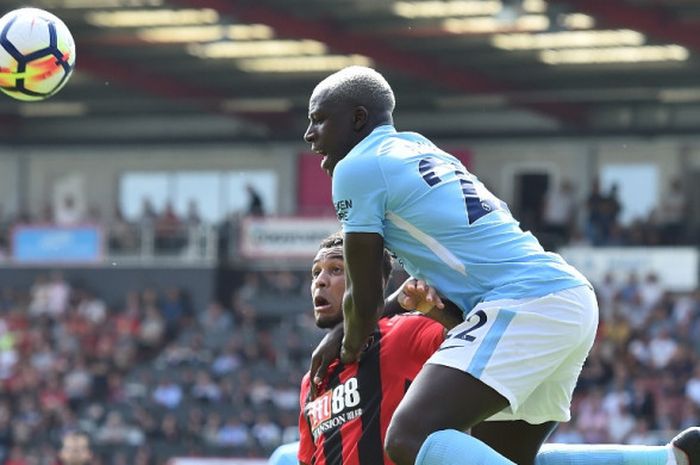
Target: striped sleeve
306, 440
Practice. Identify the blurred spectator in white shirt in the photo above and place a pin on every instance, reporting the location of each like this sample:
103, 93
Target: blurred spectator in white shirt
267, 433
58, 293
39, 296
621, 425
651, 291
286, 397
559, 212
228, 360
168, 394
92, 308
152, 329
662, 347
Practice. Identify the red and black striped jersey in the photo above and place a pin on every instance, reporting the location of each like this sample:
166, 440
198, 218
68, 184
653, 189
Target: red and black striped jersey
346, 423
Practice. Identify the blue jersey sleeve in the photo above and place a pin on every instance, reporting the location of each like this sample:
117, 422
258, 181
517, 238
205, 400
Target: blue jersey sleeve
360, 194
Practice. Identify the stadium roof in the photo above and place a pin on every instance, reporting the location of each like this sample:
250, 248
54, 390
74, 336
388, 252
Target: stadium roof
242, 70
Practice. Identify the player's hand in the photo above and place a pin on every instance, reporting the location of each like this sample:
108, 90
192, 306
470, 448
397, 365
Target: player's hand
416, 294
326, 351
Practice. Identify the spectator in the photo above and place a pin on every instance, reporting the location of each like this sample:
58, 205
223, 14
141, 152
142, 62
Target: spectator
217, 323
592, 419
193, 217
228, 360
169, 430
168, 394
168, 230
211, 428
151, 330
77, 382
559, 212
92, 308
122, 234
662, 348
672, 213
58, 292
651, 292
148, 213
76, 449
114, 431
39, 297
8, 300
267, 433
173, 311
233, 433
607, 291
255, 203
642, 435
610, 209
692, 387
205, 389
595, 227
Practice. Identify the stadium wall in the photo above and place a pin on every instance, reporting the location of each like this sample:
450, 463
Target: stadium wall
103, 166
9, 180
496, 162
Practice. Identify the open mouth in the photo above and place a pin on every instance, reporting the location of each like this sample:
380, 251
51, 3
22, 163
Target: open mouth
321, 304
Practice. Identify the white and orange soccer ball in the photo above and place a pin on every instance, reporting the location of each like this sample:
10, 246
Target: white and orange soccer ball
37, 54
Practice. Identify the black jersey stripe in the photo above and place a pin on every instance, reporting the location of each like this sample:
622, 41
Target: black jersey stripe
369, 380
333, 439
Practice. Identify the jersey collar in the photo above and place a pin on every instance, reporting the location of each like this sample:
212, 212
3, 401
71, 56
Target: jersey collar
379, 131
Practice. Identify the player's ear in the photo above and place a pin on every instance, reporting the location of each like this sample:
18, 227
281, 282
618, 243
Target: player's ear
359, 118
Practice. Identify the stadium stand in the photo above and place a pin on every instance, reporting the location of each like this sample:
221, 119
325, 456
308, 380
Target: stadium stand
150, 379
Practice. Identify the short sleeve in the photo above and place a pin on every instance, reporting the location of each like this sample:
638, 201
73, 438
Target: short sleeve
360, 194
306, 440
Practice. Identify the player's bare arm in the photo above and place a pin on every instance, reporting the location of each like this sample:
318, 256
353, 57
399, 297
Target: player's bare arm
364, 296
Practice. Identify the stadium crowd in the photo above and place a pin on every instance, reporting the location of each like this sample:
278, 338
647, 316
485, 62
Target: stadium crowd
149, 378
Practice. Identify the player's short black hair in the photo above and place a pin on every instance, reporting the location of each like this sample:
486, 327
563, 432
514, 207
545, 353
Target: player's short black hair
336, 240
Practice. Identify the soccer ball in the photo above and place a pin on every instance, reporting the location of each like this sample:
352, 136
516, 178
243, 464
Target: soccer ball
37, 54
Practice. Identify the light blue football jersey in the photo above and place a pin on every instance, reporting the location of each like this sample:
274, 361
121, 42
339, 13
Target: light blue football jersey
286, 454
441, 222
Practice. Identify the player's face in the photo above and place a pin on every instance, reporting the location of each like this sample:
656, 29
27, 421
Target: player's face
328, 286
331, 130
75, 450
